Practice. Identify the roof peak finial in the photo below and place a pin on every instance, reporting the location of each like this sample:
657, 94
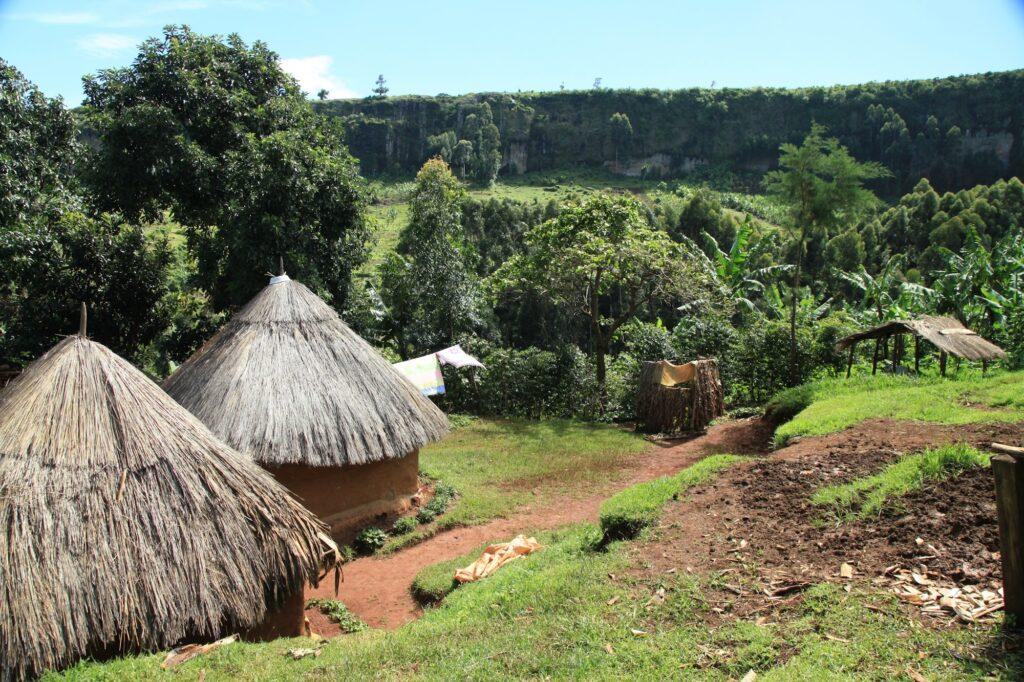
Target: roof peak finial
83, 320
280, 266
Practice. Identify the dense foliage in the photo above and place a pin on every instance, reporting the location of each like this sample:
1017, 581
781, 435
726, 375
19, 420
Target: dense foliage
956, 131
216, 132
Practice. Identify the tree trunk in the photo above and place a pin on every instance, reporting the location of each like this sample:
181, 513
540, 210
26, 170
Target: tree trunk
600, 353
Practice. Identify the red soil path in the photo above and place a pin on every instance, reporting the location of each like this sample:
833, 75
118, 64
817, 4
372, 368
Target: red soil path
378, 589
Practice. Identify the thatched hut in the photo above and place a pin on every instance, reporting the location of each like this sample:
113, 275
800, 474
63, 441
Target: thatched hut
286, 382
125, 525
947, 334
676, 398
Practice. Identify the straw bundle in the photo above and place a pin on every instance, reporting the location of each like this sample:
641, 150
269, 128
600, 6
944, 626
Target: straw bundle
286, 381
125, 524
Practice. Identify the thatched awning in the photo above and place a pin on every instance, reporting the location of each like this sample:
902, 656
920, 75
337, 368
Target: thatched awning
125, 524
285, 381
945, 333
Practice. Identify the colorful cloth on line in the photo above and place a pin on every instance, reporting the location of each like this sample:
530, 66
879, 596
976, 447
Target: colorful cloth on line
456, 357
424, 373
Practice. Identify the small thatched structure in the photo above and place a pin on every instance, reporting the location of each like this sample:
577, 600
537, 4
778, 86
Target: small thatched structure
286, 382
125, 525
947, 334
675, 398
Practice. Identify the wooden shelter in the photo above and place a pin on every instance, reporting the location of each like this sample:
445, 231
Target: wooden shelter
674, 398
286, 382
947, 334
128, 526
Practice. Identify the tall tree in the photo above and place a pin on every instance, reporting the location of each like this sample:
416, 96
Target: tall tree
322, 94
594, 249
620, 133
214, 131
428, 288
380, 88
823, 185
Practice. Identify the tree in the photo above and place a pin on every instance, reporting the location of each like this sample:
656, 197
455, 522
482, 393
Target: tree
620, 132
596, 248
322, 94
214, 131
597, 83
380, 89
427, 288
823, 185
109, 265
38, 151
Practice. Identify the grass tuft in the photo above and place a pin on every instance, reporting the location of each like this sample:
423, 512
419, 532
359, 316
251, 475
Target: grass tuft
871, 495
627, 513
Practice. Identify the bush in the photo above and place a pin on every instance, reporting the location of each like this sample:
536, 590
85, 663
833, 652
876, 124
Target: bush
788, 404
623, 381
347, 621
627, 513
760, 360
425, 515
644, 341
404, 525
370, 540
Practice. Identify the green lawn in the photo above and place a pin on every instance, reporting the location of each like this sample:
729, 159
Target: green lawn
835, 404
575, 611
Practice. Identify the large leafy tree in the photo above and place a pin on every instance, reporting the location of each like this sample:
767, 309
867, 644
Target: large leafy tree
214, 131
598, 252
823, 186
428, 289
38, 150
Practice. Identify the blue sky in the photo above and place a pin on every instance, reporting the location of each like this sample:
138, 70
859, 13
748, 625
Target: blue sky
457, 47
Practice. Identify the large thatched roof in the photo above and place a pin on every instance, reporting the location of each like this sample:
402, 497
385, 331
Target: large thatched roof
945, 333
286, 381
125, 524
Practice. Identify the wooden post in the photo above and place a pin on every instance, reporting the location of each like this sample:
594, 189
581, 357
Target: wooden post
942, 363
917, 354
83, 321
849, 363
1008, 471
874, 358
984, 366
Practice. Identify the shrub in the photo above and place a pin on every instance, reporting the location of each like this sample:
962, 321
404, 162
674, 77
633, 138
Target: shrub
347, 621
760, 363
625, 514
445, 490
788, 404
404, 525
644, 341
370, 540
425, 515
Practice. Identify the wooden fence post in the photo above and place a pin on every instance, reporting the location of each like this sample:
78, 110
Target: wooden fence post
849, 363
874, 358
917, 354
942, 363
1008, 471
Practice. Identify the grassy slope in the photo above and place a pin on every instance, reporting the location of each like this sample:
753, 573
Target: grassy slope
573, 611
836, 404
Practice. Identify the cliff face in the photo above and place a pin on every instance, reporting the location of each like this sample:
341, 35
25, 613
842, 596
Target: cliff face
962, 130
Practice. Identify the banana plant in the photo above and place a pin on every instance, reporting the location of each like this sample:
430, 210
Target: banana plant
732, 270
888, 294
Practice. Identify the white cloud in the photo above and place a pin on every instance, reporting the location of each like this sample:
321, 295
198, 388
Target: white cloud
106, 44
314, 74
64, 18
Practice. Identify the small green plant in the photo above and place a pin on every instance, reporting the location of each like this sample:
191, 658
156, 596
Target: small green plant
347, 553
347, 621
426, 515
404, 525
445, 490
370, 540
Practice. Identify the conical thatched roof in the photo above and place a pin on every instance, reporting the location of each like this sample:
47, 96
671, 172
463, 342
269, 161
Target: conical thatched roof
286, 381
125, 524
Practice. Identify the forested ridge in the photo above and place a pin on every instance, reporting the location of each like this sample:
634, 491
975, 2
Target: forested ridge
957, 131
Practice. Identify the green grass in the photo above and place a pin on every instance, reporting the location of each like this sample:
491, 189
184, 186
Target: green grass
836, 404
870, 495
627, 513
347, 621
498, 466
549, 616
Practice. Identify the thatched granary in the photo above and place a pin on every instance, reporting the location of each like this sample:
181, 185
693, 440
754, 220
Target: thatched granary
947, 334
286, 382
125, 525
676, 398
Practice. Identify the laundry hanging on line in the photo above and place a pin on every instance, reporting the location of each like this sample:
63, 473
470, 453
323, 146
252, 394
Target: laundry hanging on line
425, 372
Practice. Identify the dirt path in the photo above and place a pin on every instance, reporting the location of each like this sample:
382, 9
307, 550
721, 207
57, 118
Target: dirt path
378, 589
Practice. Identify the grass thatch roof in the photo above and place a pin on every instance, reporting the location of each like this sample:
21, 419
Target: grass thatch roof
286, 381
945, 333
125, 524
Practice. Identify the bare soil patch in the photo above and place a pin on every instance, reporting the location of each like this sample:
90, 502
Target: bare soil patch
756, 520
